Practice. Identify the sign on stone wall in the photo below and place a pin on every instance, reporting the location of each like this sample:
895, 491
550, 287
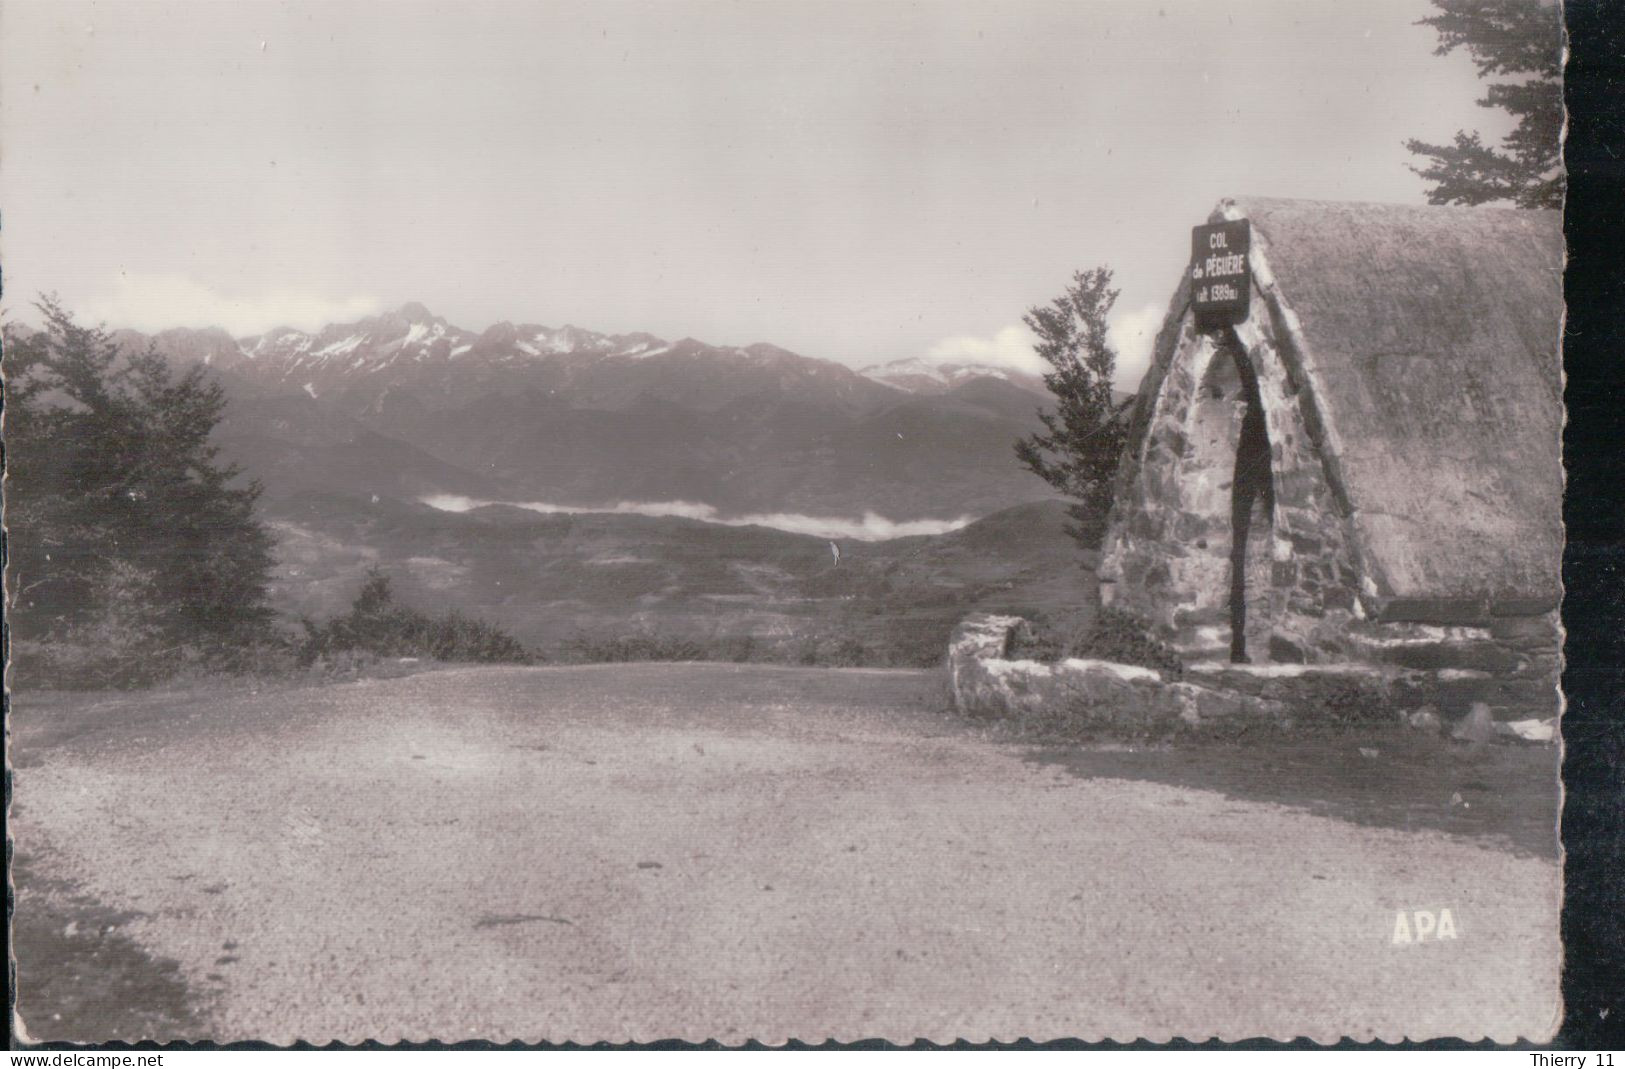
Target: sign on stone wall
1221, 285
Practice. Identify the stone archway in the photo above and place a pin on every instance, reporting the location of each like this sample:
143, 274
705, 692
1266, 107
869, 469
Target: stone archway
1228, 426
1252, 521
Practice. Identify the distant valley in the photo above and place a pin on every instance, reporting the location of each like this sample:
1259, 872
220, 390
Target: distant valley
555, 579
569, 485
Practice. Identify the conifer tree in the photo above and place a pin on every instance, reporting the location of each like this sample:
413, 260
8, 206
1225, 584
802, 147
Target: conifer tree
1523, 40
118, 502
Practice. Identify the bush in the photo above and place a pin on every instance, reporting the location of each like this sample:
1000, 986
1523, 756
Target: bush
119, 641
649, 645
1343, 701
817, 649
1041, 640
1125, 639
834, 651
1107, 635
377, 625
640, 645
82, 662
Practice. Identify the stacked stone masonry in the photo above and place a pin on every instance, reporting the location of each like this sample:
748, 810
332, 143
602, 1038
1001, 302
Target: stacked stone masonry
986, 682
1313, 593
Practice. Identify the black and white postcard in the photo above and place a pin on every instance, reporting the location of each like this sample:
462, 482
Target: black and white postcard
785, 521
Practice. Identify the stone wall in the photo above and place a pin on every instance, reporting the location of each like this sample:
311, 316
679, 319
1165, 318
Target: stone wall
1510, 663
987, 682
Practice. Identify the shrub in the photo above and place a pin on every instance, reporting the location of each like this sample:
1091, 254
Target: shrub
736, 649
77, 664
83, 661
1041, 640
1343, 701
376, 624
272, 658
120, 641
834, 651
649, 645
899, 647
642, 645
1123, 638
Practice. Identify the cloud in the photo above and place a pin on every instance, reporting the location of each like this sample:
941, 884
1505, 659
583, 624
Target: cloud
1011, 347
1132, 334
871, 527
157, 302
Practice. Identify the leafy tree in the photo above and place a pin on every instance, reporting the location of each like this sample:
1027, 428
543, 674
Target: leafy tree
1522, 39
117, 501
1078, 450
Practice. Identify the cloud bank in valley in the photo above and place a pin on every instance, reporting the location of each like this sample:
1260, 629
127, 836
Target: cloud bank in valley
871, 527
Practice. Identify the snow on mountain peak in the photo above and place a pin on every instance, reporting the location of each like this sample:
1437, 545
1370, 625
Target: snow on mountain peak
917, 375
412, 335
282, 341
899, 372
642, 348
566, 339
422, 333
342, 346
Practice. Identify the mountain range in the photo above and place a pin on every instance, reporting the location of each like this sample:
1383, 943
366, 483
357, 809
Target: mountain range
556, 481
921, 376
407, 405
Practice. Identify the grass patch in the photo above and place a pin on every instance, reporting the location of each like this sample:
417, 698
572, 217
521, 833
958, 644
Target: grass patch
648, 645
75, 662
813, 650
81, 980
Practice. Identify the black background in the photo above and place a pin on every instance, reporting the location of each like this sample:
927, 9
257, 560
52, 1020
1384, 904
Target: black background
1594, 560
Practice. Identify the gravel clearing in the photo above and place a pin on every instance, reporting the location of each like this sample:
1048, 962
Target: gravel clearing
643, 852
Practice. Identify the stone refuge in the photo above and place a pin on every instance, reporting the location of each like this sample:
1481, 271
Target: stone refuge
1367, 470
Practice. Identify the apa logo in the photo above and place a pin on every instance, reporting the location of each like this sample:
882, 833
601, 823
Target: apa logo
1422, 926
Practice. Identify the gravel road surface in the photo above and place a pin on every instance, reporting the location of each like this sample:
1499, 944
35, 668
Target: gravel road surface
640, 852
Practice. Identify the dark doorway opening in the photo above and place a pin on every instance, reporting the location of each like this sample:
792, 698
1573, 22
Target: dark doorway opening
1252, 512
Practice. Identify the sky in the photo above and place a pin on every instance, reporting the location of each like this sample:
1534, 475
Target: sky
858, 181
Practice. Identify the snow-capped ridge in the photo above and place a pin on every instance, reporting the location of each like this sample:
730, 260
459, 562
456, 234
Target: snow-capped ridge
917, 375
412, 340
342, 346
412, 331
